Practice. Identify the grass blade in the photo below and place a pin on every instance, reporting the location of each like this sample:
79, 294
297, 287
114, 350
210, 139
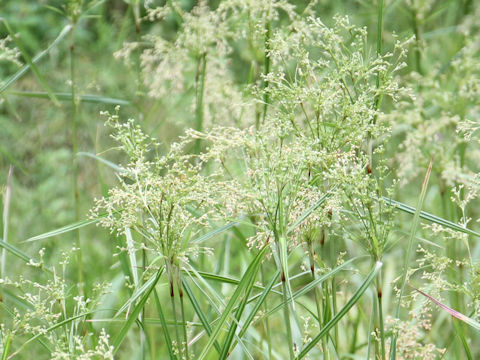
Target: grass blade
257, 306
353, 300
238, 314
18, 253
252, 268
430, 217
214, 232
416, 218
102, 160
5, 217
37, 58
136, 295
198, 311
134, 314
307, 213
168, 340
32, 65
131, 255
467, 320
51, 328
313, 284
65, 96
66, 229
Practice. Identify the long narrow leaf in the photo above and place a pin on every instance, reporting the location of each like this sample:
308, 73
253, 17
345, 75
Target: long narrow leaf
413, 231
32, 65
37, 58
66, 229
198, 311
63, 96
230, 306
51, 328
168, 340
430, 217
13, 250
214, 232
102, 160
314, 283
307, 213
257, 306
139, 292
134, 314
454, 313
238, 314
353, 300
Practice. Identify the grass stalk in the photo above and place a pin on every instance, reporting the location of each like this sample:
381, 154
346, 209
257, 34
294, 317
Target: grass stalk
266, 322
74, 124
416, 32
286, 315
408, 254
174, 311
380, 315
318, 301
266, 60
184, 322
5, 219
378, 98
199, 94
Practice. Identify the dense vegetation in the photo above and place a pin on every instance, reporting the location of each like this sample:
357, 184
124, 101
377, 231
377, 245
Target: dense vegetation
239, 178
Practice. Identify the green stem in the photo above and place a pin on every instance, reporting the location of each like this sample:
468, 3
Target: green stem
6, 347
74, 158
268, 28
200, 90
378, 98
416, 31
380, 315
265, 322
184, 323
174, 310
286, 314
318, 302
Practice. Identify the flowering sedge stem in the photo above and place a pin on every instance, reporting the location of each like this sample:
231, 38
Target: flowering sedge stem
199, 89
268, 30
74, 157
380, 315
286, 314
174, 310
265, 321
378, 98
184, 323
318, 301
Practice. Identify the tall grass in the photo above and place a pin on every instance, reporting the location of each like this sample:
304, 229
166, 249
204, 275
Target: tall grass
259, 189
